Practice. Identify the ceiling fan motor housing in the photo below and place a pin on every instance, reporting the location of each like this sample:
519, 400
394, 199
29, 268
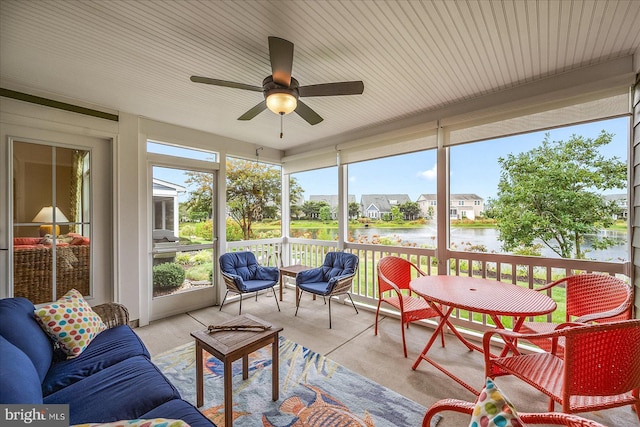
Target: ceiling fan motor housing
270, 87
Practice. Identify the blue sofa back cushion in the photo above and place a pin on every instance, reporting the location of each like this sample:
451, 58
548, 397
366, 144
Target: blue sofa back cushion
338, 264
242, 264
18, 377
18, 325
123, 391
106, 349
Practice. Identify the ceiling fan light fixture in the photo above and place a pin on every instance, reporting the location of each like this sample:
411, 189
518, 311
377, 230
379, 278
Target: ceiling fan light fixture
281, 102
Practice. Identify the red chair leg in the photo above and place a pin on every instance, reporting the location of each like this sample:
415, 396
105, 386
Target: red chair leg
404, 343
377, 312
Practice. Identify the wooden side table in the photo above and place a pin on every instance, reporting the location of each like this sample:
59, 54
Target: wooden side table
228, 346
292, 271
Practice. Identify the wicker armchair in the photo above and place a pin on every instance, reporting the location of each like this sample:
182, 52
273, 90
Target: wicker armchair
552, 418
590, 298
334, 277
112, 314
600, 368
394, 276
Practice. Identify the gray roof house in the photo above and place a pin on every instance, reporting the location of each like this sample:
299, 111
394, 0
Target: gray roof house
332, 200
376, 205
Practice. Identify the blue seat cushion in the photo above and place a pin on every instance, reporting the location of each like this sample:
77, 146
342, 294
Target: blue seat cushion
257, 285
319, 288
178, 409
123, 391
106, 349
18, 325
18, 376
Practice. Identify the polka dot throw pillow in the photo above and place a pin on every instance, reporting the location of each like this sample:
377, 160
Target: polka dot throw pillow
71, 323
493, 409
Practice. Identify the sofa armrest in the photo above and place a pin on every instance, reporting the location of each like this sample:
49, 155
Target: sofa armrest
112, 314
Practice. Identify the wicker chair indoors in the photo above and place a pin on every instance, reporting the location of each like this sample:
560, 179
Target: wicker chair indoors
551, 418
242, 274
589, 298
600, 367
394, 276
333, 278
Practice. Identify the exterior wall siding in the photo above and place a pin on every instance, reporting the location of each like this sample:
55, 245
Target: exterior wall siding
635, 161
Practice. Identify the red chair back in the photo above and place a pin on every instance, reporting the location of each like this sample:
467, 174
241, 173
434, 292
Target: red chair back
596, 293
393, 269
602, 360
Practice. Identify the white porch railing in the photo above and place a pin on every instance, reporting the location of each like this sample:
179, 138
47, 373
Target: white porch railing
528, 271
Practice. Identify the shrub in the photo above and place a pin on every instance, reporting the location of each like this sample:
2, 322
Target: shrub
202, 257
168, 275
183, 258
200, 272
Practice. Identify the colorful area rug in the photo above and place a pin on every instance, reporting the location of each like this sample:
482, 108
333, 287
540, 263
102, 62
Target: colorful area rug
314, 391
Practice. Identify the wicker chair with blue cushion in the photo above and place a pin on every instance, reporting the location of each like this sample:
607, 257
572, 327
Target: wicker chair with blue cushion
333, 278
242, 274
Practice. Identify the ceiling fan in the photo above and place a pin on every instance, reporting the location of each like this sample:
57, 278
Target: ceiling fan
281, 91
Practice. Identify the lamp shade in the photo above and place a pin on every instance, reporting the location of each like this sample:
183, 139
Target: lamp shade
281, 102
46, 215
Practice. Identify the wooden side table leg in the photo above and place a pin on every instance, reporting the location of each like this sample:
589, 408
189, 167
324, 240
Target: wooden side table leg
275, 368
281, 285
199, 376
228, 403
245, 366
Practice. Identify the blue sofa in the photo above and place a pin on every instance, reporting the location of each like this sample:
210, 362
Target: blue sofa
112, 379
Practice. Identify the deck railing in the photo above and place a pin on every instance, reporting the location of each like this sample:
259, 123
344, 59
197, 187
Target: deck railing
528, 271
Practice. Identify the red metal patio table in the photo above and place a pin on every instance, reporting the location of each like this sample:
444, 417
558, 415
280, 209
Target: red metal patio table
484, 296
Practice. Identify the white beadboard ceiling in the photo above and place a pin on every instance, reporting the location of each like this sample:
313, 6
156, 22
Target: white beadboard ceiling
137, 56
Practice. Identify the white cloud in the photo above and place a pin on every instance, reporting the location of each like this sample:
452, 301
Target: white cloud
429, 174
352, 179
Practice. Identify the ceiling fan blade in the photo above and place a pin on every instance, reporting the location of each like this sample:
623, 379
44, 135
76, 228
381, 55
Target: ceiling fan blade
307, 113
216, 82
281, 55
254, 111
332, 89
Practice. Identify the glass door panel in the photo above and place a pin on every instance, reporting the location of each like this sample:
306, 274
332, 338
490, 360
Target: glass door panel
51, 221
183, 232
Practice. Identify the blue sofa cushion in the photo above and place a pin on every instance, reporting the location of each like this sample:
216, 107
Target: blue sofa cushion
18, 376
106, 349
18, 325
180, 410
125, 390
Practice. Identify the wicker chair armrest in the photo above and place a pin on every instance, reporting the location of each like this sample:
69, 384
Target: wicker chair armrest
587, 318
553, 418
552, 284
343, 284
112, 314
230, 281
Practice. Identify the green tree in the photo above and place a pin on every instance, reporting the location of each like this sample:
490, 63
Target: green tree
253, 192
396, 214
354, 210
200, 202
325, 213
311, 208
410, 210
554, 193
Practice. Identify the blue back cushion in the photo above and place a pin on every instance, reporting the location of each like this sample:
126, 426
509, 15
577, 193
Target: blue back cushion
18, 325
242, 264
339, 264
18, 376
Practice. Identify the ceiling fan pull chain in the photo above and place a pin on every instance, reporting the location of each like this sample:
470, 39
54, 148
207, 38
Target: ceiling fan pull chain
281, 133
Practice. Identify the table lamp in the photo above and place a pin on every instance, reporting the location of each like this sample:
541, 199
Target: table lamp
46, 215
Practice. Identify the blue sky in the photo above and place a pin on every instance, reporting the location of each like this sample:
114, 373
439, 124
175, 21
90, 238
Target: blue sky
474, 167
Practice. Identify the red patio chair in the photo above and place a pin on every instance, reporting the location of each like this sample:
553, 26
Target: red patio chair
553, 418
600, 367
589, 298
394, 275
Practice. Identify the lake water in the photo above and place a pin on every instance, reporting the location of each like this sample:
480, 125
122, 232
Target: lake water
461, 238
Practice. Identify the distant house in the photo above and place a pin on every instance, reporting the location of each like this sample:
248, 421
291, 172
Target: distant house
622, 203
461, 206
375, 206
165, 205
332, 201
